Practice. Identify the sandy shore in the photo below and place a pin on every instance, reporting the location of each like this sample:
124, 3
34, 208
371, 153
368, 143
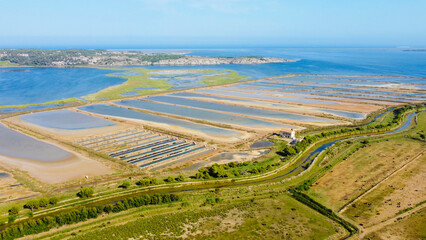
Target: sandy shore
75, 167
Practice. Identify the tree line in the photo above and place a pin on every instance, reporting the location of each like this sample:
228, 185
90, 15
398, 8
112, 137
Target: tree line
81, 214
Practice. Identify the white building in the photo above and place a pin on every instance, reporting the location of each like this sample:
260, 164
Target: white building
288, 134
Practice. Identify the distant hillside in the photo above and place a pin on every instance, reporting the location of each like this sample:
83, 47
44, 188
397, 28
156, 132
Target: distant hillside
82, 57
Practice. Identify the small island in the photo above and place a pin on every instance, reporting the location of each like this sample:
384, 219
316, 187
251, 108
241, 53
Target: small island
84, 57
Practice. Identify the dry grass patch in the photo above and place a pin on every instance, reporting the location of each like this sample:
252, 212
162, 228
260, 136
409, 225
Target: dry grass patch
363, 170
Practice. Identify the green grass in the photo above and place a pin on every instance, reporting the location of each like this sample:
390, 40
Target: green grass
7, 63
63, 101
267, 216
133, 82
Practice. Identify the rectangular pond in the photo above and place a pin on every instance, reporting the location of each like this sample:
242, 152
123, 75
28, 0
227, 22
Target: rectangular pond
17, 145
328, 92
128, 113
199, 114
197, 95
237, 109
229, 93
66, 119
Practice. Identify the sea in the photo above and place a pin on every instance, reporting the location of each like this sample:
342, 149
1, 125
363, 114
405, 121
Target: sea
29, 85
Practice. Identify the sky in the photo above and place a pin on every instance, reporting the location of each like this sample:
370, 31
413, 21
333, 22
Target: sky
211, 23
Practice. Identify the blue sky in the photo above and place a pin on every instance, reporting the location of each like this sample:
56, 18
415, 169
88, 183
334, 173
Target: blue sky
212, 23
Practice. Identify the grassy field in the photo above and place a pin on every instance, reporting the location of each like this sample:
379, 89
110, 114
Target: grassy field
239, 214
364, 169
411, 227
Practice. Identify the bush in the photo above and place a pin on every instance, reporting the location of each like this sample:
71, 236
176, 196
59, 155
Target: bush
13, 211
32, 204
53, 201
85, 192
43, 202
11, 219
180, 178
169, 179
125, 185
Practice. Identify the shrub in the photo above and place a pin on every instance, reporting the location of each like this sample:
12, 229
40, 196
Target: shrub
43, 202
85, 192
53, 200
180, 178
32, 204
125, 185
14, 210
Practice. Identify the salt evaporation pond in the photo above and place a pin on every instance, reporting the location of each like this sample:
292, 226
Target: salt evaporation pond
230, 93
237, 109
345, 114
330, 93
336, 90
18, 145
66, 119
128, 113
200, 114
261, 144
197, 95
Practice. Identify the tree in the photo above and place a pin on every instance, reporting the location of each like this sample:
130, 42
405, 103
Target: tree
217, 171
53, 200
180, 178
288, 151
169, 179
32, 204
13, 211
154, 181
43, 202
85, 192
143, 182
11, 219
125, 185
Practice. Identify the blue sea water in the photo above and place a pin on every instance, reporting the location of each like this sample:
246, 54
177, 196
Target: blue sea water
36, 85
19, 85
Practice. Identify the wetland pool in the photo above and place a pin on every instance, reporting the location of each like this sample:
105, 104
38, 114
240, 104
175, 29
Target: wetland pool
17, 145
109, 110
66, 119
200, 114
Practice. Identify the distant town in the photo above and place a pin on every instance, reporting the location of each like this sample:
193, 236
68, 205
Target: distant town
83, 57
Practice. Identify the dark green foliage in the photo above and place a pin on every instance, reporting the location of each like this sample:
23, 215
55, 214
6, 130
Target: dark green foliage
53, 201
43, 202
180, 178
169, 179
42, 224
11, 219
85, 192
125, 185
13, 211
32, 204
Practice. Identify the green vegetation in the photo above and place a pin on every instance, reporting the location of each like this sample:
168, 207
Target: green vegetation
289, 155
7, 63
229, 77
305, 199
156, 86
85, 192
81, 214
